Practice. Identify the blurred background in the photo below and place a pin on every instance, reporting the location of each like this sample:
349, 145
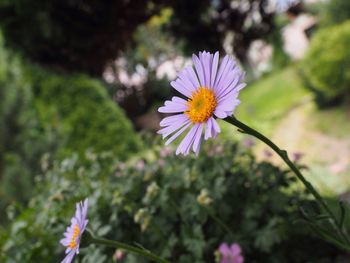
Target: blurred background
80, 84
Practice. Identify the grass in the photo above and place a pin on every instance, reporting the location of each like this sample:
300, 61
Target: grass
266, 101
280, 107
333, 121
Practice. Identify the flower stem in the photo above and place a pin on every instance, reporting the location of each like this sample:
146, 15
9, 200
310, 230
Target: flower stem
132, 249
283, 154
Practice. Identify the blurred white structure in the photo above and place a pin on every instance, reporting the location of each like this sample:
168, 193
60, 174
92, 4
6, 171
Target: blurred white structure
259, 56
294, 36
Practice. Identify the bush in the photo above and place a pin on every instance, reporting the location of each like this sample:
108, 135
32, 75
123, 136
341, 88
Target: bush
90, 118
42, 112
179, 208
23, 137
336, 11
326, 67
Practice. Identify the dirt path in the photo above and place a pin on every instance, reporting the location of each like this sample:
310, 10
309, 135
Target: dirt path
327, 156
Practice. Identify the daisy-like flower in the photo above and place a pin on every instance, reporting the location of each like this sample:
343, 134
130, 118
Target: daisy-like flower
231, 254
72, 236
211, 92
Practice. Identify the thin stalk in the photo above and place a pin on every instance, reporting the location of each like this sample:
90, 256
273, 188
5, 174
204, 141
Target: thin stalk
283, 154
129, 248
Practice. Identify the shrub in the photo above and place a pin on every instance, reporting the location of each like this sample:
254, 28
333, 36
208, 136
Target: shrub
326, 67
336, 11
179, 208
90, 118
42, 112
23, 138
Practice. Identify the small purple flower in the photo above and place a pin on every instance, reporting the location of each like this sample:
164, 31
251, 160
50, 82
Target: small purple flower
165, 152
140, 165
119, 255
296, 156
231, 254
248, 143
72, 236
267, 153
211, 92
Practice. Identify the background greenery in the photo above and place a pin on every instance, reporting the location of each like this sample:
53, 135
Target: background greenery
180, 208
48, 114
327, 72
64, 136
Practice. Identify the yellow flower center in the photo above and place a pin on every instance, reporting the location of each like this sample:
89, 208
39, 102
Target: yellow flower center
76, 232
201, 105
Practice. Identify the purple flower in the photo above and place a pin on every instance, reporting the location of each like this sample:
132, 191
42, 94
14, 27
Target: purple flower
211, 92
72, 236
267, 153
296, 156
231, 254
248, 142
119, 255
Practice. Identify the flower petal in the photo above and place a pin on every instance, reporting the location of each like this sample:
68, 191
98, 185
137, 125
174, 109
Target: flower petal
231, 85
171, 119
199, 69
177, 134
222, 68
173, 106
208, 129
224, 249
235, 249
214, 68
183, 76
181, 88
205, 61
187, 141
227, 78
69, 257
216, 128
197, 140
220, 113
165, 132
192, 76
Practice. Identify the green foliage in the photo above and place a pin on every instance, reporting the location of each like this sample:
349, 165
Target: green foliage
90, 118
336, 11
42, 113
179, 208
268, 100
23, 137
326, 67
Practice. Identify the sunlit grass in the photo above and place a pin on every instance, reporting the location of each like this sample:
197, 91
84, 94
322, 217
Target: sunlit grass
282, 108
266, 101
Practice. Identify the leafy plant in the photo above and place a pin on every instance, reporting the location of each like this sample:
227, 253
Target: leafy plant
336, 11
23, 137
326, 67
90, 118
179, 208
43, 114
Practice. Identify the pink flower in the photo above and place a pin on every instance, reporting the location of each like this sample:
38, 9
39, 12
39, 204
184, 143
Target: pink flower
119, 255
231, 254
296, 156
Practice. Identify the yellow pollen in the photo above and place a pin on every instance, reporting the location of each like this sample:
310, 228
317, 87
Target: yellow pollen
201, 105
76, 232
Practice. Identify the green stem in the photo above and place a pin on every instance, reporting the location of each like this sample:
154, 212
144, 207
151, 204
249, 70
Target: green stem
129, 248
283, 154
